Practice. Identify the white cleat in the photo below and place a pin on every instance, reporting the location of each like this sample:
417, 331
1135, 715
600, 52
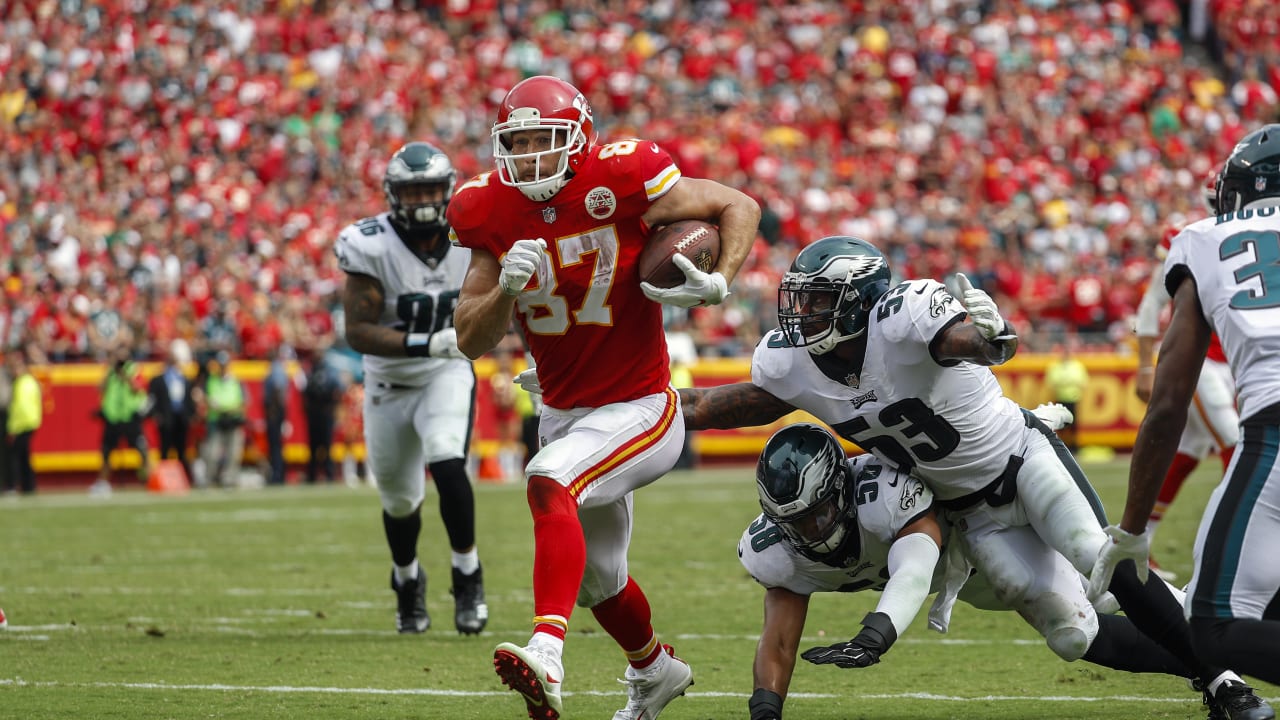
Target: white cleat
535, 674
649, 690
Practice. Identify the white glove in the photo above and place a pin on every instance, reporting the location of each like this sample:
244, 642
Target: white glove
983, 312
444, 344
520, 264
699, 288
528, 381
1122, 546
1053, 414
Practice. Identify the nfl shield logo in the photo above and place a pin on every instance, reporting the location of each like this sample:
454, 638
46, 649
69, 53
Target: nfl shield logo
548, 215
1259, 184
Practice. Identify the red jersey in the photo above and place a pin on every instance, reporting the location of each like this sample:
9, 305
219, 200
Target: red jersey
595, 338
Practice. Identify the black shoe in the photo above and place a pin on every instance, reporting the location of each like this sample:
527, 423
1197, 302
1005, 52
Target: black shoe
1235, 701
411, 604
470, 613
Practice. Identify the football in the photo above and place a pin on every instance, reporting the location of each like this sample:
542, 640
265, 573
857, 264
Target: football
696, 240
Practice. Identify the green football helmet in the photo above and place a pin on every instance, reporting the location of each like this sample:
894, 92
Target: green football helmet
417, 164
1253, 170
827, 294
806, 489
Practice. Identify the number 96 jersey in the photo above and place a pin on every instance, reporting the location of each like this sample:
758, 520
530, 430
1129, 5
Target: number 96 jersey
420, 296
887, 501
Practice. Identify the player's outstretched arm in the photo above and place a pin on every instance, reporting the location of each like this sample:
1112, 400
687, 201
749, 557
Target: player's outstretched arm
784, 616
362, 302
483, 312
730, 406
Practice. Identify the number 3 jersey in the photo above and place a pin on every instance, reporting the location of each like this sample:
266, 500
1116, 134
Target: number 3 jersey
950, 424
887, 501
1234, 259
420, 296
594, 335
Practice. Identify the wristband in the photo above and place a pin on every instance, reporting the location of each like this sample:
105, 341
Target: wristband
877, 633
765, 705
417, 344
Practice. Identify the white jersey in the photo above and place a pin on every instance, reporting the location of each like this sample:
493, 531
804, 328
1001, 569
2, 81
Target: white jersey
1234, 260
887, 500
420, 296
902, 405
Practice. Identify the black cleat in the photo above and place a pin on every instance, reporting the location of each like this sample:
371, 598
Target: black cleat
1235, 701
470, 613
411, 604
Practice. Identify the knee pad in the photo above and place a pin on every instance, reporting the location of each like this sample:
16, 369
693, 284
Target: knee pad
1068, 627
399, 506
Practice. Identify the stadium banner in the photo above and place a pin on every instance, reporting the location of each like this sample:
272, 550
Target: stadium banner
68, 443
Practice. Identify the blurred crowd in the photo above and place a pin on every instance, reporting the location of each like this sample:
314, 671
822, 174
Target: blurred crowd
178, 170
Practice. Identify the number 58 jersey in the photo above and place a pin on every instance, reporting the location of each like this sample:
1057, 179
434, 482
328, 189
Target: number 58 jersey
1234, 260
887, 501
419, 296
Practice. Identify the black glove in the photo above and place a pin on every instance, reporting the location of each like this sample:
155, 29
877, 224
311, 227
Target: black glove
765, 705
863, 650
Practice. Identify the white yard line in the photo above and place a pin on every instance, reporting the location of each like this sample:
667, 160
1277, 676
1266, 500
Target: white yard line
443, 692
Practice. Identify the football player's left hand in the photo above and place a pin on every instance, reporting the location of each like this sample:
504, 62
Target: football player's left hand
1053, 414
848, 654
528, 381
444, 344
699, 288
983, 312
1121, 546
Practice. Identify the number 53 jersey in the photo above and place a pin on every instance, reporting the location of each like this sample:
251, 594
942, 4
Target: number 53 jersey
1235, 261
948, 423
420, 296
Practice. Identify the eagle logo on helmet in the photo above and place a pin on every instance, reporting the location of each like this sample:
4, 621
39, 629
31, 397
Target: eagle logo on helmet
861, 266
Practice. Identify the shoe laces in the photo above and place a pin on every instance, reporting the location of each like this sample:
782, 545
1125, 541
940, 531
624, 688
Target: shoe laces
1235, 697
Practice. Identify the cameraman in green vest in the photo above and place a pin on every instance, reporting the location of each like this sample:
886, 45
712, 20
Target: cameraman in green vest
224, 402
124, 404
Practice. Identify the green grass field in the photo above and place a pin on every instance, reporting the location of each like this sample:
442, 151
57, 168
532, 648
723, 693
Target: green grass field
274, 604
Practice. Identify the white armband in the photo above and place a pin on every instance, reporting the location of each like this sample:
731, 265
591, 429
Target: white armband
912, 560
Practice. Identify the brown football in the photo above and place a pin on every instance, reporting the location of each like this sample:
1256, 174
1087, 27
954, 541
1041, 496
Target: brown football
696, 240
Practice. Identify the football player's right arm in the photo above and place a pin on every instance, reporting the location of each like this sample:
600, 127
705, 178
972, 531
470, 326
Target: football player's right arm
784, 615
483, 312
730, 406
362, 302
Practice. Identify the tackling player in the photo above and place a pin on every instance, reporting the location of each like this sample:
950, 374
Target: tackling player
897, 370
555, 234
832, 524
1222, 273
403, 278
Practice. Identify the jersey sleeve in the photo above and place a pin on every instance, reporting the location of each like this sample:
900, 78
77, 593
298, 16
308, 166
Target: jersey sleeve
354, 253
770, 561
912, 316
888, 500
638, 170
467, 213
772, 368
1177, 266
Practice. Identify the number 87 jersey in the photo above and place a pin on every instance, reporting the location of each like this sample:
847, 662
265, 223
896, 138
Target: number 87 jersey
948, 423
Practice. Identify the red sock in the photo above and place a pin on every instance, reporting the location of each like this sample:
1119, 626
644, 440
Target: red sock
559, 555
1226, 454
1178, 472
628, 620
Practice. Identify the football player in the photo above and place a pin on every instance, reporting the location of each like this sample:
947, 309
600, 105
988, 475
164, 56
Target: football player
903, 371
832, 524
555, 236
403, 278
1212, 419
1222, 273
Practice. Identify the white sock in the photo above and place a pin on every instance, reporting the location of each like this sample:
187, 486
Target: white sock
1225, 677
406, 573
466, 562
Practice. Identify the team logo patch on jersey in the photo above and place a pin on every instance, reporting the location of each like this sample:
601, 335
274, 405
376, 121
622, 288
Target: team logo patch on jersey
601, 203
911, 491
860, 400
548, 215
940, 302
